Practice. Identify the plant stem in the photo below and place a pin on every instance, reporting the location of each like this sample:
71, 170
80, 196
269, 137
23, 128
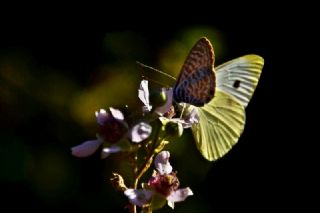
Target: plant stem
139, 172
148, 161
135, 171
133, 208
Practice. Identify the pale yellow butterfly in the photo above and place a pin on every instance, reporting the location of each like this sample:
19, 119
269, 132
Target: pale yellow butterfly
222, 119
221, 107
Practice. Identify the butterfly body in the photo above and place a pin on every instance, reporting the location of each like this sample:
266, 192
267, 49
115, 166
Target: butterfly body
219, 95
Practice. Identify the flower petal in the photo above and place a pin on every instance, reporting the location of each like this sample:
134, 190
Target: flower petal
166, 107
179, 195
140, 132
162, 163
171, 204
86, 149
192, 118
109, 150
143, 94
182, 122
102, 116
117, 114
138, 197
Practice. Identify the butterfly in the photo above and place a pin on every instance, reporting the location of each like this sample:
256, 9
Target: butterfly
219, 95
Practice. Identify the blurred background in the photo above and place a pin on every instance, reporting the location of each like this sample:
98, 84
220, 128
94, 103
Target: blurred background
57, 69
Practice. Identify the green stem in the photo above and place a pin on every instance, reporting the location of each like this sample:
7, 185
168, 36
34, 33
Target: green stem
139, 172
133, 208
145, 167
148, 161
135, 170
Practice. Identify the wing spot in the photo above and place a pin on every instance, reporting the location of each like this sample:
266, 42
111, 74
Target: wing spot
236, 84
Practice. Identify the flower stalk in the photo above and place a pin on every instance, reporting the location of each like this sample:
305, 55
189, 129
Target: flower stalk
150, 131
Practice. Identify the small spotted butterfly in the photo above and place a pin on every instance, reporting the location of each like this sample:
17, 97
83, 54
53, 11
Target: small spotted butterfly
219, 96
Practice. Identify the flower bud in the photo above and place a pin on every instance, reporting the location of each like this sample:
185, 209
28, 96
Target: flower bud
174, 129
140, 132
158, 98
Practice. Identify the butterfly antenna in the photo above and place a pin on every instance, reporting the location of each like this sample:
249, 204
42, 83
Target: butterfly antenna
154, 69
154, 81
182, 111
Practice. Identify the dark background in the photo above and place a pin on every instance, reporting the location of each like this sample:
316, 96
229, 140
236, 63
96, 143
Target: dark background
51, 62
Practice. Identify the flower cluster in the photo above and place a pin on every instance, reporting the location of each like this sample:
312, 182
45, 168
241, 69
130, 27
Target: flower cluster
163, 185
152, 129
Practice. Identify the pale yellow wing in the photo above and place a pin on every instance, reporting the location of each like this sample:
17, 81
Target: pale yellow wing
221, 124
239, 77
222, 120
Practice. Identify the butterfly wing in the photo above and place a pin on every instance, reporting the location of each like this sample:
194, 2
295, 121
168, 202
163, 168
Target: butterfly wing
220, 126
239, 77
196, 82
222, 120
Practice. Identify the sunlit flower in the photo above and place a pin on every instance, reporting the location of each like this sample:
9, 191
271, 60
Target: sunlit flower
112, 125
163, 182
140, 132
112, 129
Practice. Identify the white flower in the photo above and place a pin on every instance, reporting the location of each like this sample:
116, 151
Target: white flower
165, 182
112, 129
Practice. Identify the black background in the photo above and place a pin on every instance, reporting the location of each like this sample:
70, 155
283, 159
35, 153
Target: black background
251, 177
